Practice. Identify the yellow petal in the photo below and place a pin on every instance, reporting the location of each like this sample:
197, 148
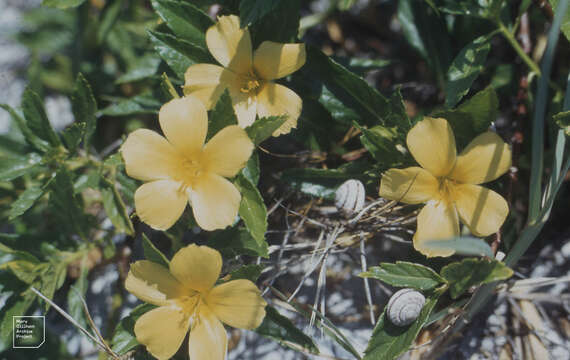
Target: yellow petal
184, 122
215, 202
197, 267
481, 209
230, 45
160, 203
412, 185
208, 339
152, 283
485, 158
207, 82
274, 100
245, 107
432, 144
436, 221
228, 151
149, 156
238, 303
162, 331
274, 60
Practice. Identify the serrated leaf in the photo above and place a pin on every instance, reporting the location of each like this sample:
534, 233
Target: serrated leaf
388, 341
14, 167
30, 137
116, 210
465, 245
562, 119
145, 103
252, 209
405, 274
52, 278
66, 205
73, 135
251, 11
250, 272
473, 272
109, 18
315, 182
237, 241
263, 128
36, 118
63, 4
152, 253
465, 68
222, 115
381, 142
25, 201
84, 107
184, 19
251, 169
472, 117
124, 339
179, 54
145, 67
277, 327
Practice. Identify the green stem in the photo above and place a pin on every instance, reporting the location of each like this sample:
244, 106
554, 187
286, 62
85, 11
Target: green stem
517, 47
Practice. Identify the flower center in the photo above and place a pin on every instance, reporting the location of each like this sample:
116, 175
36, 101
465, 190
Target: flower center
249, 83
189, 171
446, 189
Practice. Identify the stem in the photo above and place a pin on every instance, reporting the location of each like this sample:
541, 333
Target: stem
516, 46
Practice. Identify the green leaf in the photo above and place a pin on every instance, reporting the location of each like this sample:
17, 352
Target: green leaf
116, 210
36, 118
251, 11
237, 241
124, 339
382, 143
354, 92
25, 201
280, 25
179, 54
167, 88
145, 103
14, 167
30, 137
51, 279
152, 253
465, 68
263, 128
473, 272
315, 182
464, 245
388, 341
472, 117
250, 272
66, 205
405, 274
76, 292
252, 209
185, 20
63, 4
565, 26
562, 119
251, 169
109, 18
222, 115
16, 305
84, 107
277, 327
145, 67
73, 135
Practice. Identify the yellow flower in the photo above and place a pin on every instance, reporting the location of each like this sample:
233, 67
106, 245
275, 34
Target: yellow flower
448, 183
188, 300
247, 75
181, 168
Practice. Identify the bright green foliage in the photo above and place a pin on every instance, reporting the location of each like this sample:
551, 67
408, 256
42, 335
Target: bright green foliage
405, 274
264, 127
471, 272
562, 119
222, 115
252, 209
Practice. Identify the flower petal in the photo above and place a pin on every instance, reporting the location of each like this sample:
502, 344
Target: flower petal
230, 45
149, 156
274, 60
160, 203
207, 82
485, 158
228, 151
412, 185
275, 100
238, 303
208, 339
162, 331
481, 209
432, 144
152, 283
184, 122
215, 202
436, 221
197, 267
245, 107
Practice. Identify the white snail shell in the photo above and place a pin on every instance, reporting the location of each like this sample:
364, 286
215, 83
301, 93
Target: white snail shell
405, 306
349, 197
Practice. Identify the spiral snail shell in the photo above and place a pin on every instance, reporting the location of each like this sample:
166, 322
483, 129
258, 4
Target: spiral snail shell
405, 306
349, 197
